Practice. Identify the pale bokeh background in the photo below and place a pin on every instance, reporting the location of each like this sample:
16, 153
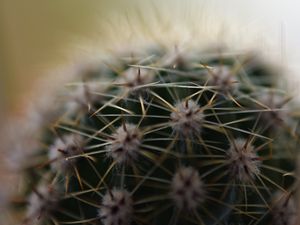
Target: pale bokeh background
38, 37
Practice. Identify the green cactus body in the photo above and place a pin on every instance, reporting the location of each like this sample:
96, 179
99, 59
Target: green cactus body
159, 140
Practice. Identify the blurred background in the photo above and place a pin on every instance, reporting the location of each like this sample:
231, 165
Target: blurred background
40, 38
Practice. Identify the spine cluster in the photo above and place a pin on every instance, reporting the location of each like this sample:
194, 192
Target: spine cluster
116, 208
187, 188
125, 143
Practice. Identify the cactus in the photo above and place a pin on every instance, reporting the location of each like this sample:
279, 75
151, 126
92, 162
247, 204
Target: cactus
159, 138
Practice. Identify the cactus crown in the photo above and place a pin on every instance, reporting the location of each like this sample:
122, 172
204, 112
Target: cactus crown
183, 141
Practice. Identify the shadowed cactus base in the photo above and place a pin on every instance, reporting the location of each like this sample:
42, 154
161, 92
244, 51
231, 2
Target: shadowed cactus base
150, 140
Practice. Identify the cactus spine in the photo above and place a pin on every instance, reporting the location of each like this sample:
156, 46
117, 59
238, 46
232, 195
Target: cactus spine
149, 140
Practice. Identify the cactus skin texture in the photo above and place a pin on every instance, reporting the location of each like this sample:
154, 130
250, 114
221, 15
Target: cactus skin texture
161, 140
